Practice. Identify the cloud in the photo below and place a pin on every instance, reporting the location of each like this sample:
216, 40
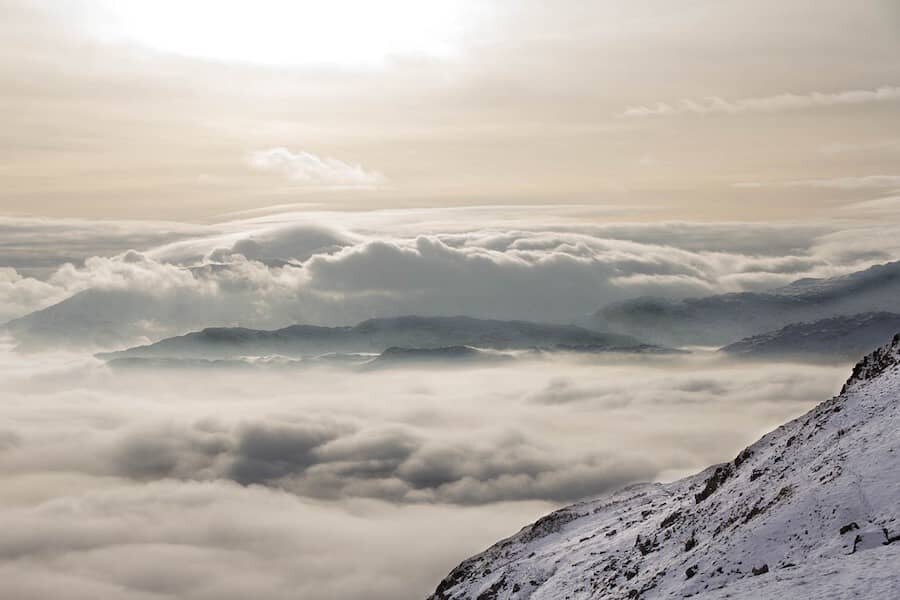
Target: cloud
38, 246
865, 182
778, 103
308, 169
20, 295
272, 272
887, 205
218, 540
148, 484
248, 427
331, 460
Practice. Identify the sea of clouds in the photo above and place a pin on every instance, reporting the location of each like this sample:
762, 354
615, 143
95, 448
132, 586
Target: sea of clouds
329, 483
326, 484
113, 284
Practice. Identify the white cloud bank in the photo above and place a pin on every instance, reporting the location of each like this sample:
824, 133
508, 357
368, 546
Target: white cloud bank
322, 485
781, 102
307, 169
274, 273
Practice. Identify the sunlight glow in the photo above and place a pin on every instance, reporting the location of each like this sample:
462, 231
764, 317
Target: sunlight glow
282, 32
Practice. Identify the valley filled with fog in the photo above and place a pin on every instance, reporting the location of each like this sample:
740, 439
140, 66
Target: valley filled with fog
325, 482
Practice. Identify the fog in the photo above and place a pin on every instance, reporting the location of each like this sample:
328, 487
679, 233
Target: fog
331, 483
334, 482
83, 287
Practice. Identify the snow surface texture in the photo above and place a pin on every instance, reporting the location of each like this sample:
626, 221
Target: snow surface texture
812, 510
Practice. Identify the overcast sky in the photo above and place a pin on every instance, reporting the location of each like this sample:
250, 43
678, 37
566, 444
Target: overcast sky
702, 109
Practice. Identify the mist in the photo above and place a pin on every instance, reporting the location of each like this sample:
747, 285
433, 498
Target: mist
333, 483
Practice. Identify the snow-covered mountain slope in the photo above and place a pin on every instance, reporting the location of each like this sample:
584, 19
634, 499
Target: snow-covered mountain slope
834, 339
812, 510
377, 335
724, 318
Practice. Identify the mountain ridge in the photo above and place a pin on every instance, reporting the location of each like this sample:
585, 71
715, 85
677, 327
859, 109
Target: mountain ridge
379, 334
834, 339
724, 318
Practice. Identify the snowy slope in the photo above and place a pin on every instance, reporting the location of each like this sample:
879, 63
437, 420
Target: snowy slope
812, 510
835, 339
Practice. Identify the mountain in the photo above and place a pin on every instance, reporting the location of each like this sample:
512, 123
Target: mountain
811, 510
447, 355
834, 339
451, 356
377, 335
93, 318
721, 319
116, 318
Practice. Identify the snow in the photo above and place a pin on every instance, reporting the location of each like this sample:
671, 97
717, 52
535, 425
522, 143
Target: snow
858, 576
812, 510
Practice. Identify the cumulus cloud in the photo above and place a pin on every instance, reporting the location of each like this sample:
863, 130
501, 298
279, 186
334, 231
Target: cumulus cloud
778, 103
270, 273
305, 168
20, 295
273, 245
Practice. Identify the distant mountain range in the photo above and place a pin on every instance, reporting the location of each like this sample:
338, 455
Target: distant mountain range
722, 319
841, 338
449, 356
811, 510
102, 319
110, 318
404, 338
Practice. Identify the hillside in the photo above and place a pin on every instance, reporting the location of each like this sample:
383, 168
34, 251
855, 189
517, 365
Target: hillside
721, 319
377, 335
835, 339
810, 510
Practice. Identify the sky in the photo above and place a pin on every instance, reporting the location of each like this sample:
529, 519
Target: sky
168, 166
697, 110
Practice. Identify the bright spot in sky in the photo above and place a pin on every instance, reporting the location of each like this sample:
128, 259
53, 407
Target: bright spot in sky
285, 32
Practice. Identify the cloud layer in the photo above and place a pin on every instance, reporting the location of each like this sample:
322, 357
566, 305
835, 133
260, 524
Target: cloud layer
138, 485
767, 104
275, 271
